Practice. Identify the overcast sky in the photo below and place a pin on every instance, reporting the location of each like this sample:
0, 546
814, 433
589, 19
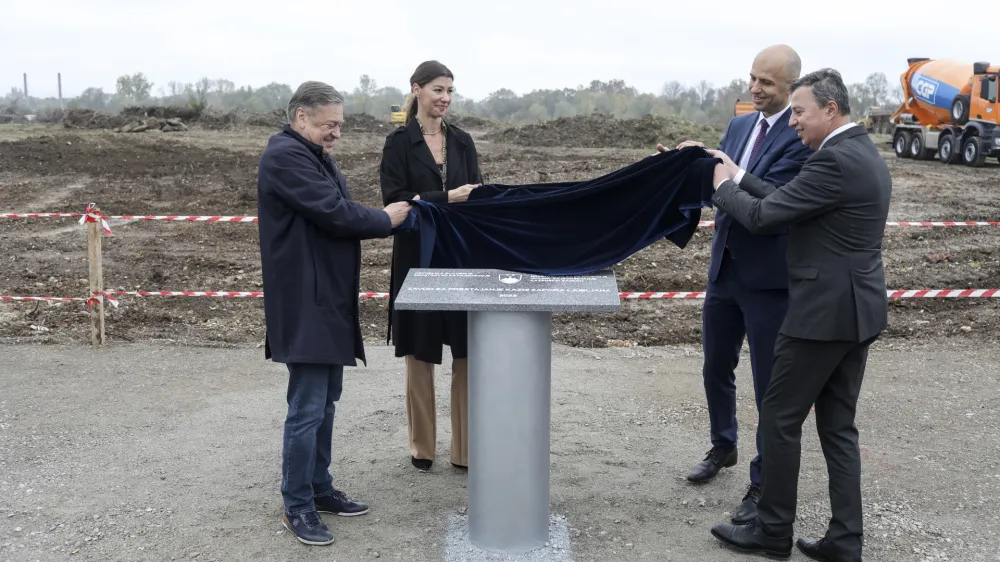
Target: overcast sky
518, 44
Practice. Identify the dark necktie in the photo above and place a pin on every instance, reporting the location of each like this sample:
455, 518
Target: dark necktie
759, 140
753, 152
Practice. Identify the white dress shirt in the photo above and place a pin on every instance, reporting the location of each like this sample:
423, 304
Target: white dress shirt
745, 159
744, 162
836, 132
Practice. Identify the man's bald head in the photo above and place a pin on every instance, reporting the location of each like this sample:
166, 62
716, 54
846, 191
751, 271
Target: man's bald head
785, 56
774, 69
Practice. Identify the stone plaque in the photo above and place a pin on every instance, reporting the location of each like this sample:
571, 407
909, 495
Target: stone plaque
498, 290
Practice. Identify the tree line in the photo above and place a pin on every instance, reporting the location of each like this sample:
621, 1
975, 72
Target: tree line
702, 103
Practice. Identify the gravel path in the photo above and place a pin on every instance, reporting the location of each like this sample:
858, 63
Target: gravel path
162, 452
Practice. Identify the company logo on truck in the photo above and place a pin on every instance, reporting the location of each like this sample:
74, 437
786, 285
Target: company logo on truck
924, 88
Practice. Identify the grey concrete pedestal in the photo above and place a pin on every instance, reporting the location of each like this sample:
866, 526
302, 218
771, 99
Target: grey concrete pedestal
510, 388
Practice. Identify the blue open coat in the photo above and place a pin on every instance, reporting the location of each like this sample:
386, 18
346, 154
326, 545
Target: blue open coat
310, 249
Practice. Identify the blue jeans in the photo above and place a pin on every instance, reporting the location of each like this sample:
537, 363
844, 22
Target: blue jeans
313, 391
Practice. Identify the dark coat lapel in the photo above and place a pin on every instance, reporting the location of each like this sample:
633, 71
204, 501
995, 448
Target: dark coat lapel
456, 157
745, 135
423, 153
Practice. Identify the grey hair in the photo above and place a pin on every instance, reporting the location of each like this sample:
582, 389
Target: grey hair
827, 86
311, 95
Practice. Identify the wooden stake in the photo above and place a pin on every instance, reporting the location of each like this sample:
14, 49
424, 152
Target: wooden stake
96, 281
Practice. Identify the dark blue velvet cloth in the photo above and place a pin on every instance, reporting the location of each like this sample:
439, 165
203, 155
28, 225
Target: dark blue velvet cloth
568, 228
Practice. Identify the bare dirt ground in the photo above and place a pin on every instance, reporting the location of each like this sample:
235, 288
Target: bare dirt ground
166, 452
201, 172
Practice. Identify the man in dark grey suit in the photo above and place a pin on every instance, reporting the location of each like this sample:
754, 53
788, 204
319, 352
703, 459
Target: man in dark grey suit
835, 210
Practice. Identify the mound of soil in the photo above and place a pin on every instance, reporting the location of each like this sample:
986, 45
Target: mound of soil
138, 119
188, 114
272, 119
365, 123
471, 122
9, 115
90, 119
133, 122
605, 131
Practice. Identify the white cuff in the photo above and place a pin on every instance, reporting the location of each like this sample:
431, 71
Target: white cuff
739, 176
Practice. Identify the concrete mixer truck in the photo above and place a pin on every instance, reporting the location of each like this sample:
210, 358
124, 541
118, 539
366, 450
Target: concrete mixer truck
950, 110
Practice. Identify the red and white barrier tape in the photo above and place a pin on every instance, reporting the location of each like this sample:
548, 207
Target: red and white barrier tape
94, 299
669, 295
190, 293
185, 218
93, 215
90, 216
897, 294
47, 299
945, 293
944, 223
40, 215
911, 223
908, 294
255, 294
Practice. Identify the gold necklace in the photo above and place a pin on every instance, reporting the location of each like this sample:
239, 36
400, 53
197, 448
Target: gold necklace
444, 152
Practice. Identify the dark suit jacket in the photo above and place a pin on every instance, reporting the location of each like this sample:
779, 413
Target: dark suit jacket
408, 169
835, 210
310, 253
760, 259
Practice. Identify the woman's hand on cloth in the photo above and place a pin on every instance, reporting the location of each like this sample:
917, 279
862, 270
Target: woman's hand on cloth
461, 193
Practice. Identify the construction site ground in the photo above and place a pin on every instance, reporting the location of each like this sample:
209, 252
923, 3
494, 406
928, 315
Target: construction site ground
160, 447
200, 172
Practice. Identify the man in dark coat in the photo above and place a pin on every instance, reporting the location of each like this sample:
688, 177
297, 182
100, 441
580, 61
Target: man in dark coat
835, 210
310, 247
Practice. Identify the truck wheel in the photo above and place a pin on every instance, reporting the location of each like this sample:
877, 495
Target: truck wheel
917, 151
947, 151
972, 152
960, 110
901, 144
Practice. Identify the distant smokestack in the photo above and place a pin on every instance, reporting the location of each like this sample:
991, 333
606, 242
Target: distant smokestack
26, 104
61, 106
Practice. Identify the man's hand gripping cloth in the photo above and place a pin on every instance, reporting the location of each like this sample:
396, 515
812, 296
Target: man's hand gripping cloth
568, 228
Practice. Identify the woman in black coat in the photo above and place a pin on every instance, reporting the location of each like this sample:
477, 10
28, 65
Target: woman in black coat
437, 162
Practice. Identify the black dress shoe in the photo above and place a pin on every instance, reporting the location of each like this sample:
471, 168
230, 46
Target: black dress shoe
747, 511
751, 539
822, 550
715, 460
423, 465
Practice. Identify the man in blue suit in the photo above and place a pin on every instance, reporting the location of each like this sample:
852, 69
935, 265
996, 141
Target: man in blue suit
747, 294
